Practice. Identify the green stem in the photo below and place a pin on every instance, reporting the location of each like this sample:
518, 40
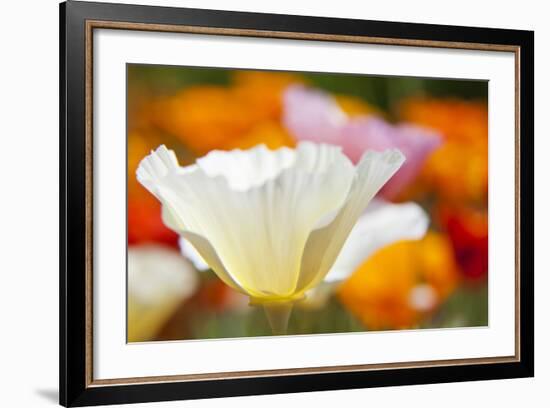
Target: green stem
278, 314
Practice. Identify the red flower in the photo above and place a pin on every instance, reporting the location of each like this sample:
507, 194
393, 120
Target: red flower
145, 224
469, 233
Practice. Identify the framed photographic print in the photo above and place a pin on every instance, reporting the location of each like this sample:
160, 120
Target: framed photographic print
256, 203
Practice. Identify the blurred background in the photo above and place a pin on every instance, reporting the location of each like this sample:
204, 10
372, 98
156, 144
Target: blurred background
436, 282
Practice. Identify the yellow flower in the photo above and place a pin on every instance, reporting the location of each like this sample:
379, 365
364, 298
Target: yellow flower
398, 285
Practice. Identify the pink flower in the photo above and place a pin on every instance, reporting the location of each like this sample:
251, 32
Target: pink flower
313, 115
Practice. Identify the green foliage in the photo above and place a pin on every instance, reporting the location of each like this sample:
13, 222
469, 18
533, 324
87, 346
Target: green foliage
381, 91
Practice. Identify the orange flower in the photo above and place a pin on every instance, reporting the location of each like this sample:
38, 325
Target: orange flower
458, 170
437, 267
397, 286
264, 89
457, 120
204, 117
272, 134
216, 117
354, 106
145, 223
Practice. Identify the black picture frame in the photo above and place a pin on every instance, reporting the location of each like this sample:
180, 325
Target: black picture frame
75, 386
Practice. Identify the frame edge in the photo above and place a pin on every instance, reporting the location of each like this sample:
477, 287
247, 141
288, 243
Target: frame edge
62, 207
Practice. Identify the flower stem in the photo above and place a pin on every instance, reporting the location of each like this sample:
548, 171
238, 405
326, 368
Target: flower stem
278, 315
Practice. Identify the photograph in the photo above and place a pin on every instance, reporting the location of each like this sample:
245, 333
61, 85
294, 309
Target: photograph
263, 203
255, 203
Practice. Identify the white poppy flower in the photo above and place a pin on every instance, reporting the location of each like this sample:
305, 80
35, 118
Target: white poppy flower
381, 224
269, 223
159, 279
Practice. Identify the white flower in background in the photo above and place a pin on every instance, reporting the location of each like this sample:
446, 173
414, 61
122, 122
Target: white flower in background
191, 253
269, 223
159, 279
423, 297
381, 224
